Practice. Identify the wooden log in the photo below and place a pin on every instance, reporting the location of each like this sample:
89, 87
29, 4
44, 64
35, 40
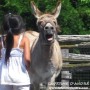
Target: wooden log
72, 66
79, 56
80, 61
72, 56
81, 45
65, 75
73, 38
75, 60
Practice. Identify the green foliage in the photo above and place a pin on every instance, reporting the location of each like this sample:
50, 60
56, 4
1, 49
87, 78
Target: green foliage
74, 17
70, 20
85, 1
16, 6
84, 12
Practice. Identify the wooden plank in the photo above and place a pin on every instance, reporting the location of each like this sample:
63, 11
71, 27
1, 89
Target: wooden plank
76, 60
73, 38
81, 45
76, 65
75, 57
79, 56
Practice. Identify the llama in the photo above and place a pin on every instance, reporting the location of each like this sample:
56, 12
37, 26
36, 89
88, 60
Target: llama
46, 57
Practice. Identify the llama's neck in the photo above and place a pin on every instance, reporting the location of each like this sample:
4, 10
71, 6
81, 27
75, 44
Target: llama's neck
47, 50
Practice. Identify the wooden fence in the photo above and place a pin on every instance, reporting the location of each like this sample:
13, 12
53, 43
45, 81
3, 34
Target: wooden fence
75, 41
73, 61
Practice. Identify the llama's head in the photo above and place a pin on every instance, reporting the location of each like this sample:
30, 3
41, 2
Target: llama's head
47, 23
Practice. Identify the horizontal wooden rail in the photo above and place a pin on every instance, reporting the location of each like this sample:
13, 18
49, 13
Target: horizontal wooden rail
73, 66
79, 56
73, 56
72, 61
74, 38
81, 45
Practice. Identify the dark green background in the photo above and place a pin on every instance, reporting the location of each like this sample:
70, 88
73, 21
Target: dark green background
73, 19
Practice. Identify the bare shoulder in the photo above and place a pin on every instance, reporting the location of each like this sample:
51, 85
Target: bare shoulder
25, 38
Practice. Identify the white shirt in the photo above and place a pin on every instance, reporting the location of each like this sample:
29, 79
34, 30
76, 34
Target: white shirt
14, 72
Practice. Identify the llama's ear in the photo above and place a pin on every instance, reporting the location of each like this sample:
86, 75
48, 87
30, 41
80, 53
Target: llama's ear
57, 10
35, 10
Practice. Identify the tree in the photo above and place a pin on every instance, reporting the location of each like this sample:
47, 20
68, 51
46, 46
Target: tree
73, 19
70, 21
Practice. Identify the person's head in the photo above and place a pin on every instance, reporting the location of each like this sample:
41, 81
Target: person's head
12, 25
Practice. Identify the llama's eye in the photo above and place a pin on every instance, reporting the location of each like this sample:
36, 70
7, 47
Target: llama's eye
54, 22
39, 22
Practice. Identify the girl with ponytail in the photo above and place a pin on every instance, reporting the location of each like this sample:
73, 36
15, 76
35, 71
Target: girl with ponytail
15, 60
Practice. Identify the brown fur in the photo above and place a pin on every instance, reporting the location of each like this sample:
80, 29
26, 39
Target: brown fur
46, 58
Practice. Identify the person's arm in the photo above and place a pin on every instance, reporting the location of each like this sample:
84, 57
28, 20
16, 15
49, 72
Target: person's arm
27, 52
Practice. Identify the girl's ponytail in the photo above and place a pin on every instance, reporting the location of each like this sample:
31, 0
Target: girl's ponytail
9, 44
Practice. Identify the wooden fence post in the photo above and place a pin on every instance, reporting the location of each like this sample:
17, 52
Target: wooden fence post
65, 75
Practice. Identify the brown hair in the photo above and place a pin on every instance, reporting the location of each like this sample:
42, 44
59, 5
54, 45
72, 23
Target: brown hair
12, 25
